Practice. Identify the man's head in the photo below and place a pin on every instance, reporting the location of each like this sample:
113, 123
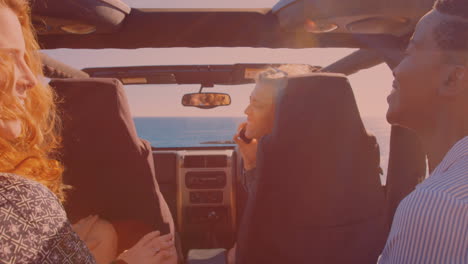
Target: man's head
433, 74
261, 109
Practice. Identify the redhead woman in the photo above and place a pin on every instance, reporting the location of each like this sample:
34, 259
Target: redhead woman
33, 224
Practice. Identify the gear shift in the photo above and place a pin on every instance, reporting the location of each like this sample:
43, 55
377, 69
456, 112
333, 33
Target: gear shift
213, 218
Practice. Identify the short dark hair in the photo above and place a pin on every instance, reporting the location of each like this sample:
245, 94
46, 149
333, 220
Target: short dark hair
457, 8
452, 34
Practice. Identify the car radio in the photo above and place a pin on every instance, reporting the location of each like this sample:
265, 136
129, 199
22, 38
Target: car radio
205, 179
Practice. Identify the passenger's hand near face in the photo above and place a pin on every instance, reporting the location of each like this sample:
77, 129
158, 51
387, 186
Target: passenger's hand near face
152, 249
248, 150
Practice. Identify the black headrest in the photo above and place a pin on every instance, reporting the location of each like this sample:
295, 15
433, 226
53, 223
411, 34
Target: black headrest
318, 180
96, 113
323, 146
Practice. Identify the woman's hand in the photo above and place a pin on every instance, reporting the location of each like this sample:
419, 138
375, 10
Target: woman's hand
152, 248
231, 255
248, 150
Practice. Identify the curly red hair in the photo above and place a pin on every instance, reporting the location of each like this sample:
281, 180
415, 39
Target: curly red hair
31, 154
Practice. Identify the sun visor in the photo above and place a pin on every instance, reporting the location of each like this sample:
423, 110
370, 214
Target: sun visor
351, 16
78, 17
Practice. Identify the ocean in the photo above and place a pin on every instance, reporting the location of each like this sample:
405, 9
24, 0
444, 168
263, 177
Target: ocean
205, 131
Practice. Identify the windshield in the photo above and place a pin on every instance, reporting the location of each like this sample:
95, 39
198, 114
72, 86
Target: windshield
161, 119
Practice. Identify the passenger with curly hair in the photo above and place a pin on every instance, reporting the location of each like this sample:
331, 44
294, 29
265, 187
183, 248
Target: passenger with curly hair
33, 224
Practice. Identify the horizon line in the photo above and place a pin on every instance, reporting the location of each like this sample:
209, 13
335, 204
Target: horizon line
363, 116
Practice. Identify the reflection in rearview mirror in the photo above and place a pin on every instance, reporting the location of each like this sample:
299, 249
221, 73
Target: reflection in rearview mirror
206, 100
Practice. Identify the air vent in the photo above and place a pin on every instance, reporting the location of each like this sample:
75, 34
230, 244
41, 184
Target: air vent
210, 161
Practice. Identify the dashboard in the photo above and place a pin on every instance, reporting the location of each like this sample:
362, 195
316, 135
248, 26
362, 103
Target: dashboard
200, 188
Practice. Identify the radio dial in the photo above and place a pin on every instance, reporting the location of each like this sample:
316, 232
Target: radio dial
205, 180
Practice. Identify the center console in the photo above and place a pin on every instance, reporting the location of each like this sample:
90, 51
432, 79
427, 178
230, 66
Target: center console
205, 204
206, 191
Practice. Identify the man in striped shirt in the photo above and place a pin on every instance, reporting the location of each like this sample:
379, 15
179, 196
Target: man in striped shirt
430, 96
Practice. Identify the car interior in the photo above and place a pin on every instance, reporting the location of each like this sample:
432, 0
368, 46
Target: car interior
195, 191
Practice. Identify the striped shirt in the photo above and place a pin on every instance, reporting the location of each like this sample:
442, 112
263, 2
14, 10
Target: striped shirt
431, 223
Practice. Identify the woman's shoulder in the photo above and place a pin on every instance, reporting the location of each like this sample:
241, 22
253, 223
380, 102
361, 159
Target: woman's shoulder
19, 190
29, 199
34, 215
11, 181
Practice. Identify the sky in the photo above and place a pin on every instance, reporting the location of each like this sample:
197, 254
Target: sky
371, 86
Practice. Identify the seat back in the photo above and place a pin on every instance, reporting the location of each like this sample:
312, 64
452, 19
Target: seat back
110, 169
319, 197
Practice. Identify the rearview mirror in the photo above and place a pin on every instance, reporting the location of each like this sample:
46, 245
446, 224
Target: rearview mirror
206, 100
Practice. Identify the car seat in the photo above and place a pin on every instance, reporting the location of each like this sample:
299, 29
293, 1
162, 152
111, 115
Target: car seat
319, 198
109, 167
